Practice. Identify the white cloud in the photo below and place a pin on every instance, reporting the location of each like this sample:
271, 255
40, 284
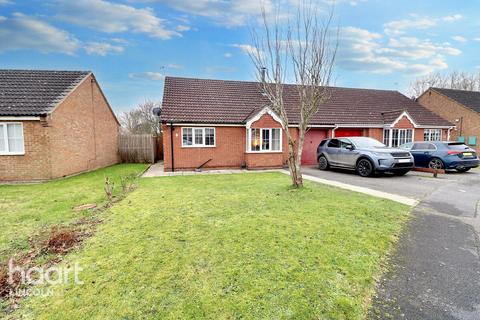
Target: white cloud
102, 48
415, 48
459, 39
399, 27
229, 13
416, 22
25, 32
227, 55
452, 18
248, 49
149, 75
5, 2
183, 28
111, 17
476, 39
337, 2
362, 50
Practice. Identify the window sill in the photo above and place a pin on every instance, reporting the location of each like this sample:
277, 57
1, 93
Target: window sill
189, 147
254, 152
12, 153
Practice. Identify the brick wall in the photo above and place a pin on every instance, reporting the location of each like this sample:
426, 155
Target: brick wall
35, 164
375, 133
404, 123
452, 110
83, 132
80, 136
229, 151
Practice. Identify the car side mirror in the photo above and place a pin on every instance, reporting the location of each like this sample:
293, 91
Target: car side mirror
349, 147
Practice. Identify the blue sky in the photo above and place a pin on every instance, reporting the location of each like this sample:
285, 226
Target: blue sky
131, 45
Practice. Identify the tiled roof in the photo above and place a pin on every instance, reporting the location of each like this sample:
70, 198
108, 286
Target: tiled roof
470, 99
232, 102
35, 92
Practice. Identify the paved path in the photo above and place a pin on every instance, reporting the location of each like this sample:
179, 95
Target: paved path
435, 271
156, 170
372, 192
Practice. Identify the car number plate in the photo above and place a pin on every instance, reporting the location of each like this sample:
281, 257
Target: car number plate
468, 154
403, 160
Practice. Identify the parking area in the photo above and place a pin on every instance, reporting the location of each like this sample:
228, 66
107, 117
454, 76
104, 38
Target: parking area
416, 185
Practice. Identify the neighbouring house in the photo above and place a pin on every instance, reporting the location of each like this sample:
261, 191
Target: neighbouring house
228, 124
54, 124
458, 106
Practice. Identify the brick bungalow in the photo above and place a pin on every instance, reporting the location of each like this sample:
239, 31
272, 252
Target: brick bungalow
53, 124
459, 107
227, 124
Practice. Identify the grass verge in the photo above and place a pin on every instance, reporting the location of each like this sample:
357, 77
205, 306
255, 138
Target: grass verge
229, 246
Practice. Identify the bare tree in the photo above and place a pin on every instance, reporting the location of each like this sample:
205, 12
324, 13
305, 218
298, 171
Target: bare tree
304, 49
141, 120
453, 80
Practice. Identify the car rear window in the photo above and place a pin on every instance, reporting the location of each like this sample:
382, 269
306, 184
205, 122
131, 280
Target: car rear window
423, 146
457, 146
323, 143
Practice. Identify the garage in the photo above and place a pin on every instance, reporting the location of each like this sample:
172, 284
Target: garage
348, 132
310, 144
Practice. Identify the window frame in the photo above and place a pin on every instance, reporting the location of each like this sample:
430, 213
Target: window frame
270, 141
401, 133
430, 131
4, 136
198, 145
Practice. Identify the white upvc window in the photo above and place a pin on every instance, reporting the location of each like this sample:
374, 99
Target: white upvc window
198, 137
397, 137
264, 140
11, 138
432, 134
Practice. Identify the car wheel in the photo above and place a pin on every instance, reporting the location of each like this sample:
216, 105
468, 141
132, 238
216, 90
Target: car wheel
400, 172
435, 163
463, 169
322, 163
365, 168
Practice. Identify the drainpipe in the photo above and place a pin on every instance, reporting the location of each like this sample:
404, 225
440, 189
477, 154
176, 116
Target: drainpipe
171, 147
333, 131
448, 133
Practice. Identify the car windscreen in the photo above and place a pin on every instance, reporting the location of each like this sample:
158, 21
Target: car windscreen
367, 143
457, 146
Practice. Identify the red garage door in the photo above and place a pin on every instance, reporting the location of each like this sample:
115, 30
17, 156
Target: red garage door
348, 133
312, 140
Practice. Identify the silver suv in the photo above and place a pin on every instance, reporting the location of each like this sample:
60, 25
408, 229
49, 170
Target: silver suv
365, 155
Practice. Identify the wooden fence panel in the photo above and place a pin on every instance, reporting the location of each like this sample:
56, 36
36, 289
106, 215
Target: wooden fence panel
137, 148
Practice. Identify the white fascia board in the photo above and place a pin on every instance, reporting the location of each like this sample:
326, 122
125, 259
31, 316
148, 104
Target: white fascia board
19, 118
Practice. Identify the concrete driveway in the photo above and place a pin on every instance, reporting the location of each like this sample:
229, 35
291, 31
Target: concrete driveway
415, 185
435, 271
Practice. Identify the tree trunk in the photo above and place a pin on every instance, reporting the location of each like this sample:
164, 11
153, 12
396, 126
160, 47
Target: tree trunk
294, 164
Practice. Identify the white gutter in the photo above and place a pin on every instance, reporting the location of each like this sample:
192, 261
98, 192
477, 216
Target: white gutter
19, 118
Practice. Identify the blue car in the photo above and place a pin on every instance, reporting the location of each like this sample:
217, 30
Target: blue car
442, 155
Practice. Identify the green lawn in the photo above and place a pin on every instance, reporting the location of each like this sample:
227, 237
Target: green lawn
27, 209
229, 247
